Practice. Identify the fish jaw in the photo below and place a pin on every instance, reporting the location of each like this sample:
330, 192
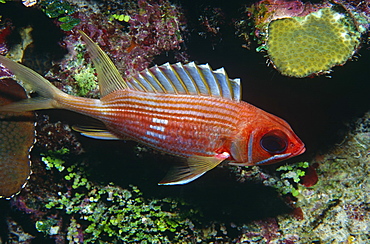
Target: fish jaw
280, 157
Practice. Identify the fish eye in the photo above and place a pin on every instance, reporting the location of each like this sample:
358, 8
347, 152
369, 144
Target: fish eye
274, 141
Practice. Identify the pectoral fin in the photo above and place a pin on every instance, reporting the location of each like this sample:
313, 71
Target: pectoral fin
195, 167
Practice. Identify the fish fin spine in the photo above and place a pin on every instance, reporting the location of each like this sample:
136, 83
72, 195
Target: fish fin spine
109, 78
195, 167
190, 79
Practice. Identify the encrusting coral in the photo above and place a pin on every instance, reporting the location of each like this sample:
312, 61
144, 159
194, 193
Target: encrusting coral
17, 135
303, 39
301, 46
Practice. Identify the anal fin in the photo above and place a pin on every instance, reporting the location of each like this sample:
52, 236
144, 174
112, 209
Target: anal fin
195, 167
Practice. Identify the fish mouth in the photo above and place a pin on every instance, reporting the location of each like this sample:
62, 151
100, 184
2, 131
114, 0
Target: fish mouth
300, 151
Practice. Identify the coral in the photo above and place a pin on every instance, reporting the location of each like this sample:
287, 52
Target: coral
17, 135
265, 11
66, 204
211, 20
17, 52
154, 28
17, 233
306, 39
77, 75
5, 31
302, 46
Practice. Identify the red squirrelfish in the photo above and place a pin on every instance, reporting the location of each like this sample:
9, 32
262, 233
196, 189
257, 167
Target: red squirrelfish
186, 110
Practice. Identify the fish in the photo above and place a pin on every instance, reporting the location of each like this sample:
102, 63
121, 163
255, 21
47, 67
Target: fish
17, 136
186, 110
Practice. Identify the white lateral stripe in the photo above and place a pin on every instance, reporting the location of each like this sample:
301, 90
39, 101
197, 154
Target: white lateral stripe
154, 134
160, 121
150, 140
155, 127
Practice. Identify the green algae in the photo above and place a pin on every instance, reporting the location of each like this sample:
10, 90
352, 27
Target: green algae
83, 80
120, 17
109, 212
48, 226
291, 173
52, 160
86, 80
61, 10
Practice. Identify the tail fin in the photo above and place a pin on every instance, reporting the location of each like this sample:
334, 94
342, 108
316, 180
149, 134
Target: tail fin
32, 81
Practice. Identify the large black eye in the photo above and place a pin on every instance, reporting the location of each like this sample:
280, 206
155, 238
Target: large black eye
274, 141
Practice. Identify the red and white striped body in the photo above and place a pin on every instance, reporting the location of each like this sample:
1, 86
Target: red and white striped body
183, 125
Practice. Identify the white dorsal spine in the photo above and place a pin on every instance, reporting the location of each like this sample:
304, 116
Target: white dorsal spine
191, 79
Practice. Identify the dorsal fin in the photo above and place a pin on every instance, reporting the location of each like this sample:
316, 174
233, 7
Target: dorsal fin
108, 76
188, 79
191, 79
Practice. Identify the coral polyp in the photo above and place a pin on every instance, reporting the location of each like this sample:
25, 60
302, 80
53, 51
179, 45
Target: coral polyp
302, 46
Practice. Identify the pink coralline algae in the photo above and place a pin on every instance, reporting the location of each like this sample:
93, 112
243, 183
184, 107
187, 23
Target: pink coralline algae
156, 27
56, 136
266, 11
4, 32
153, 27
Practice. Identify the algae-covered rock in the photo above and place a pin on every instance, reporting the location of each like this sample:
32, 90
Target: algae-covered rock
336, 209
